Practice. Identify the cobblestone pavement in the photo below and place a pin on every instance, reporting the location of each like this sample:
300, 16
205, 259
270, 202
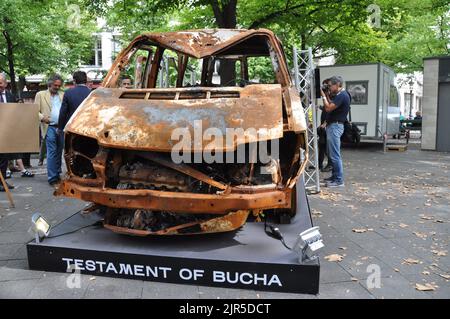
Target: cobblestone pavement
392, 216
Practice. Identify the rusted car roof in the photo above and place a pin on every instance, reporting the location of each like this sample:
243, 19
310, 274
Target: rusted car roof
201, 43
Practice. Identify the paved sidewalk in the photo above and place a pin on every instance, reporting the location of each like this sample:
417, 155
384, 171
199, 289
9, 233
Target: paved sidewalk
392, 216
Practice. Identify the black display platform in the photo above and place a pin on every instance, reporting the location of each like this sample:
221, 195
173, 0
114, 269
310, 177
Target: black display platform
247, 259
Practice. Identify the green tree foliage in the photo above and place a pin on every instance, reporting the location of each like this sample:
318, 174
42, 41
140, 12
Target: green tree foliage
408, 30
415, 29
43, 36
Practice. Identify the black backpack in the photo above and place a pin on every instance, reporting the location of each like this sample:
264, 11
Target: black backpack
352, 133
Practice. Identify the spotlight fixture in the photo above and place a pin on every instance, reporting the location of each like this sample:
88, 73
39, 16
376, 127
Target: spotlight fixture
40, 226
308, 244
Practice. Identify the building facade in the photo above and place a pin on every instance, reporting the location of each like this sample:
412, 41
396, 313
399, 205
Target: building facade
410, 87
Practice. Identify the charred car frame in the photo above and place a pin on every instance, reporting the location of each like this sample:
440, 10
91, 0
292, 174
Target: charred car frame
119, 143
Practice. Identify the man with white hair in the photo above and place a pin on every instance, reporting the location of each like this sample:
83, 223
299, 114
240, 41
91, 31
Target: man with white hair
49, 102
337, 110
5, 97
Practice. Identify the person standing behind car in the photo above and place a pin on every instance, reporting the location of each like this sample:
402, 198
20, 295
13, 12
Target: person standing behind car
49, 102
322, 134
73, 98
337, 110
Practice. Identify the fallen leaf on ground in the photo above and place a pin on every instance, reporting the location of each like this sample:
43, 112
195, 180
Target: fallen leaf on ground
425, 272
343, 248
438, 221
361, 230
425, 287
439, 252
410, 261
365, 258
316, 213
334, 257
92, 278
403, 225
427, 217
445, 276
420, 235
396, 270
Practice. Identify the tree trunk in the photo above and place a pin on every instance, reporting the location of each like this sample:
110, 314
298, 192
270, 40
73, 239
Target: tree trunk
22, 83
303, 39
225, 14
10, 57
226, 18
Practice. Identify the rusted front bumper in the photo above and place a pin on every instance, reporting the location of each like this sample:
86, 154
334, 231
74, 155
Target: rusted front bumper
177, 201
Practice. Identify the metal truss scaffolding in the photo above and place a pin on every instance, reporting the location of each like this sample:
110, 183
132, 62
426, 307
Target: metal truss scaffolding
304, 82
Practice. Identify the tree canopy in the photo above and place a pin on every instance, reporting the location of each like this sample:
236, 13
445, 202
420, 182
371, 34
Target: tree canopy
37, 38
44, 36
408, 30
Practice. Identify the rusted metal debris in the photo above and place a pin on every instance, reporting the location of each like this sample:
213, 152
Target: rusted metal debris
144, 223
118, 142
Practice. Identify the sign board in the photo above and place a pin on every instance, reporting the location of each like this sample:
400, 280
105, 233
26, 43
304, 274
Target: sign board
247, 259
19, 128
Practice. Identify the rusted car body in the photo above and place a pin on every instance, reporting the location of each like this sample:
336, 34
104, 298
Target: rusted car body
118, 143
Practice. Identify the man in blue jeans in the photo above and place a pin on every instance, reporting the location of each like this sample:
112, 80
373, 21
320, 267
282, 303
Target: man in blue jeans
337, 109
49, 102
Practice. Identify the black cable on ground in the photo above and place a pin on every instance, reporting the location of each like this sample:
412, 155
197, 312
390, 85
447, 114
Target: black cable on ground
274, 232
97, 223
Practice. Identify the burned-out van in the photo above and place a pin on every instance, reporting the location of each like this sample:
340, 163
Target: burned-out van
201, 141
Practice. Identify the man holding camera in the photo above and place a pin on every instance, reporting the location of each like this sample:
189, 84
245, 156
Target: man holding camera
337, 109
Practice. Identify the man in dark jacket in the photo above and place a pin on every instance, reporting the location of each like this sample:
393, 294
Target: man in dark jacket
73, 98
5, 97
322, 133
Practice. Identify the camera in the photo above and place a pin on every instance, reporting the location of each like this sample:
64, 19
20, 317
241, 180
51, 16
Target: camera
325, 88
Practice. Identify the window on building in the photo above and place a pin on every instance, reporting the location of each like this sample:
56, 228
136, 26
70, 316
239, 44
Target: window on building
393, 96
116, 47
96, 57
419, 103
408, 107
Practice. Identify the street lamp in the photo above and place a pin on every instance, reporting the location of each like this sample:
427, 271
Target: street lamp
411, 86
